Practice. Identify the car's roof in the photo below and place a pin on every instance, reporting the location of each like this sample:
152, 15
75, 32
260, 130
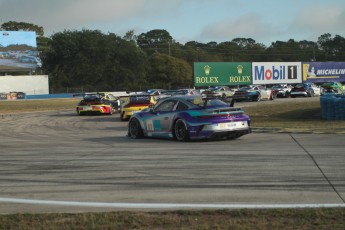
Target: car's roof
185, 97
194, 99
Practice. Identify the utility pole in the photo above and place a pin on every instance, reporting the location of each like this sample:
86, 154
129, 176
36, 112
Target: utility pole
169, 47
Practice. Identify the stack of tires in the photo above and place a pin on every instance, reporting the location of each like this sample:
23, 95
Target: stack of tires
340, 108
3, 96
332, 107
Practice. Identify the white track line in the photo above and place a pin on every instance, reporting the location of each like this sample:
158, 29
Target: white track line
166, 205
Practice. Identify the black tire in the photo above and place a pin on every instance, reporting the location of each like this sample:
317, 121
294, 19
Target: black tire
78, 112
273, 96
134, 129
180, 130
258, 98
3, 96
122, 116
111, 110
310, 93
21, 95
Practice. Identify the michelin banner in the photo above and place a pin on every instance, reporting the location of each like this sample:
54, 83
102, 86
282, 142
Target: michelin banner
323, 72
276, 72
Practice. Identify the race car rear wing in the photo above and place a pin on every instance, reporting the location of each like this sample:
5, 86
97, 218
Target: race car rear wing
232, 103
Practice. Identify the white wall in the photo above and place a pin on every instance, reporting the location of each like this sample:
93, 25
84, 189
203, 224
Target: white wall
29, 84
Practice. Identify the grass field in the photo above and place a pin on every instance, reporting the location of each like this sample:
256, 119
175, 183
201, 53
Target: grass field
292, 116
271, 219
18, 106
301, 116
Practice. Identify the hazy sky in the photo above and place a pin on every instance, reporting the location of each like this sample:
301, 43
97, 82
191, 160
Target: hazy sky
265, 21
18, 38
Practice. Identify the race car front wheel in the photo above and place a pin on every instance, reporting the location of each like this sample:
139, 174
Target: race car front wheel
258, 98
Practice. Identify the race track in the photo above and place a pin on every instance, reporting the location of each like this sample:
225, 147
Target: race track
50, 160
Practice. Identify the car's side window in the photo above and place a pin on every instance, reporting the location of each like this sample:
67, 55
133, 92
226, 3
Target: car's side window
181, 106
166, 106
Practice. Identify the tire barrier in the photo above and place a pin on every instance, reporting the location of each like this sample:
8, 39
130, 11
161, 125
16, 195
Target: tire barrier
12, 96
332, 107
3, 96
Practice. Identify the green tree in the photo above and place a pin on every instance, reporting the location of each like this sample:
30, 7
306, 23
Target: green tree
155, 41
200, 52
229, 51
331, 49
22, 26
94, 61
130, 36
168, 72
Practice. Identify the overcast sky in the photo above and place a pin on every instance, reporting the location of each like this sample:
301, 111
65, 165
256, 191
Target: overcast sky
265, 21
18, 37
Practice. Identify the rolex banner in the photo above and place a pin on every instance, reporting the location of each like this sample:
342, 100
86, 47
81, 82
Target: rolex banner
222, 73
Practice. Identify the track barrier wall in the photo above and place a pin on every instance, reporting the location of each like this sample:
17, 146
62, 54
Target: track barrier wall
332, 107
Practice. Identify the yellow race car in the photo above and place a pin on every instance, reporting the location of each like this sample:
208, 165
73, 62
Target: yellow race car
135, 103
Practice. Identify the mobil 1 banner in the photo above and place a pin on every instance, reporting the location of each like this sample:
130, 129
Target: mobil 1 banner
276, 72
222, 73
323, 71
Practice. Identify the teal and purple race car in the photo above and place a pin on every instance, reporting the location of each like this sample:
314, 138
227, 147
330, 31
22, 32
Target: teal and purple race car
189, 117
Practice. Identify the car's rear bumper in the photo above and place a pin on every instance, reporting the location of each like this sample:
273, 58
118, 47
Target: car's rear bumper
93, 109
245, 98
229, 134
214, 134
298, 94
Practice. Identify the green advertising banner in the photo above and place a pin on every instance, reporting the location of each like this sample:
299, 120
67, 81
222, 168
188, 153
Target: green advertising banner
222, 73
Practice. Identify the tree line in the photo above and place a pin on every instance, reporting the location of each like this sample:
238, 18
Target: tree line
94, 61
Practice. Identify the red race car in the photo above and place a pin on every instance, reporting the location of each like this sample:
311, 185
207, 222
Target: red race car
95, 103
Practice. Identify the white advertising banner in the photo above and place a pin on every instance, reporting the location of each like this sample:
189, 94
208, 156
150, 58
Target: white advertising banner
29, 84
276, 73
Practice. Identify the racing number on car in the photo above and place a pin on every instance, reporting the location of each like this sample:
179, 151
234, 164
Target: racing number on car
292, 72
149, 126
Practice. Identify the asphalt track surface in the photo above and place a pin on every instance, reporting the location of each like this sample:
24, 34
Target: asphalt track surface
57, 161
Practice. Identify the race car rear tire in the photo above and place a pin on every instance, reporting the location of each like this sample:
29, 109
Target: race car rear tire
258, 98
273, 96
135, 130
180, 130
79, 113
111, 110
311, 93
122, 116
